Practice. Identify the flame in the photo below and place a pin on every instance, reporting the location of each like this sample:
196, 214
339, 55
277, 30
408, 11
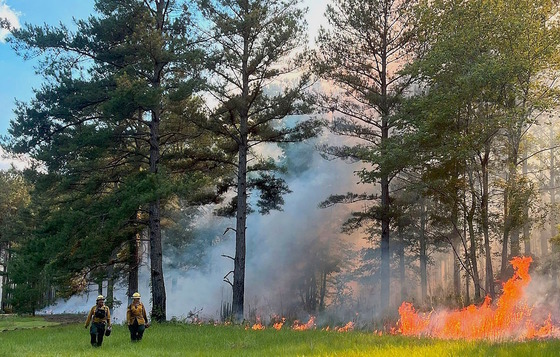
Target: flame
257, 325
509, 318
348, 327
298, 326
278, 325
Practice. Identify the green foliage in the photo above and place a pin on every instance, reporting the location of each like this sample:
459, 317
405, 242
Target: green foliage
113, 129
249, 113
361, 52
479, 81
15, 198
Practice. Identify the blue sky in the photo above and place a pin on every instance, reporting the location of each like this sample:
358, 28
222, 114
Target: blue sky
18, 77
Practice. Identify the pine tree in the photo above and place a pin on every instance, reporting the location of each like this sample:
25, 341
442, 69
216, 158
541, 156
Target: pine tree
113, 127
254, 46
360, 52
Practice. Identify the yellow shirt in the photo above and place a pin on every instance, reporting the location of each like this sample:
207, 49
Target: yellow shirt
136, 312
97, 320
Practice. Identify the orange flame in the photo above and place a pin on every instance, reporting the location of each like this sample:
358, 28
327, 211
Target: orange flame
278, 325
257, 325
509, 318
348, 327
298, 326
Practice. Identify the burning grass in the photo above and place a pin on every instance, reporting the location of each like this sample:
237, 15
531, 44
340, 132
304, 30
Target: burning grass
510, 318
507, 327
208, 340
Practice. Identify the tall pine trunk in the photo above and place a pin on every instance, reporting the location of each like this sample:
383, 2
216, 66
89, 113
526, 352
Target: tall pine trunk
472, 241
526, 224
553, 220
385, 269
507, 226
385, 200
489, 276
402, 266
456, 242
110, 289
133, 264
154, 208
241, 210
240, 240
154, 221
423, 254
5, 253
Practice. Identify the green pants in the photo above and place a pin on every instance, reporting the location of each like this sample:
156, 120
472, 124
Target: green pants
97, 331
136, 331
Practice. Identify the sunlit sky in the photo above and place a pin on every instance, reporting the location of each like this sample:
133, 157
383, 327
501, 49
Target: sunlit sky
18, 77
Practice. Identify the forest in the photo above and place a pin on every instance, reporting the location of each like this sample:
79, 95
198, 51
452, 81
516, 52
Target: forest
408, 154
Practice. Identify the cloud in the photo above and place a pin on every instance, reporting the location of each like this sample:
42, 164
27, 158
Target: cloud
11, 16
7, 161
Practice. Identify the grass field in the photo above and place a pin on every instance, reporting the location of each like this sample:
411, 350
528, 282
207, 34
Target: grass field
11, 322
207, 340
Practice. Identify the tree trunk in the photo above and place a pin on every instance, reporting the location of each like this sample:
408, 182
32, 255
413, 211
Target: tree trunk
323, 291
526, 225
423, 254
505, 236
456, 242
133, 265
402, 271
385, 269
5, 256
240, 243
553, 221
472, 240
510, 233
154, 208
156, 264
515, 243
110, 298
485, 224
467, 291
154, 221
241, 213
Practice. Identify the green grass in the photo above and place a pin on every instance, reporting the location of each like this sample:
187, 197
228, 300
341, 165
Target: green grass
13, 322
206, 340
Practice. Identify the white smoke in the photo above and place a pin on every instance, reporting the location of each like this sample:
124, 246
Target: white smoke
275, 244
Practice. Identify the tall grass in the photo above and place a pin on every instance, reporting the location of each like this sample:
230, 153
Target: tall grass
207, 340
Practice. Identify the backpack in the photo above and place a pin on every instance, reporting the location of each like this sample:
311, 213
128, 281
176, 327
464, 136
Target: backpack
100, 313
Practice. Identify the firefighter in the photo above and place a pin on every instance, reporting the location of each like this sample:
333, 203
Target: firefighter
136, 318
100, 318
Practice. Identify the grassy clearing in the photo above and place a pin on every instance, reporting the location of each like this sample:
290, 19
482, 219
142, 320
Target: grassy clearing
13, 322
206, 340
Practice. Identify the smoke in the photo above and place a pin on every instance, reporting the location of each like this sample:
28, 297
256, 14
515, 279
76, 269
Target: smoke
282, 247
278, 244
543, 295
